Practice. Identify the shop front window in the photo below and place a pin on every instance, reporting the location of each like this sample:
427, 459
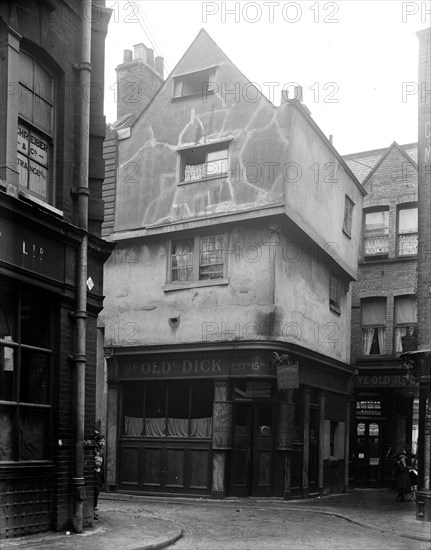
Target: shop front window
25, 360
168, 409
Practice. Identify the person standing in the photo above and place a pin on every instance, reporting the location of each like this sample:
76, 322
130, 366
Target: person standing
402, 478
99, 469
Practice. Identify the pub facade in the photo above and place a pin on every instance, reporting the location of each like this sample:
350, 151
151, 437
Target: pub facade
227, 316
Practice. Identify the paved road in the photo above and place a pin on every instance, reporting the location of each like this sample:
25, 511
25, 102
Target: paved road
257, 526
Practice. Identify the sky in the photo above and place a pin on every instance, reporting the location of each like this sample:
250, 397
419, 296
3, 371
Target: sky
355, 59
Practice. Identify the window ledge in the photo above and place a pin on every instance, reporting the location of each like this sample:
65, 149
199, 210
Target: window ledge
200, 94
223, 175
29, 197
168, 287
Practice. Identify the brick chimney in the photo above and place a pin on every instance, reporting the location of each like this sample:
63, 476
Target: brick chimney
139, 77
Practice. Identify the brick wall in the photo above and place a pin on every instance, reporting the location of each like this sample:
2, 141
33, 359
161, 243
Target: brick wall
109, 185
393, 182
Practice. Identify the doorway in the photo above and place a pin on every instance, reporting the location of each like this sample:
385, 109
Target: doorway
368, 453
252, 469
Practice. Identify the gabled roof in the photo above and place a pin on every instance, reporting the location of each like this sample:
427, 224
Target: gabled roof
202, 34
361, 163
393, 146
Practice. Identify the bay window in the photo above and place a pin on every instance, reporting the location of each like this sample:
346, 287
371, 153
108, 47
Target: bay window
373, 326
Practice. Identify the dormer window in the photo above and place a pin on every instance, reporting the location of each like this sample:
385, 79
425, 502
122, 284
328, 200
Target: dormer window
198, 83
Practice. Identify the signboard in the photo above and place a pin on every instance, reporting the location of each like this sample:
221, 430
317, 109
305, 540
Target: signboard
288, 376
23, 247
250, 365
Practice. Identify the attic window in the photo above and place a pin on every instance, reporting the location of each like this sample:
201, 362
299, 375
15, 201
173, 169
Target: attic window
198, 83
204, 162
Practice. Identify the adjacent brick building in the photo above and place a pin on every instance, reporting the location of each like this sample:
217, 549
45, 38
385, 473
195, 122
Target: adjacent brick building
40, 174
384, 311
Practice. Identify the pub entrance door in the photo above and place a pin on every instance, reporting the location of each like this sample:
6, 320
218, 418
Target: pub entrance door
252, 470
368, 453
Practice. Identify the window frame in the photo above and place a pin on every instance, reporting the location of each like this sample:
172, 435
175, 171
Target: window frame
400, 208
34, 128
207, 148
398, 325
168, 406
382, 209
335, 285
17, 406
181, 79
374, 326
348, 216
196, 264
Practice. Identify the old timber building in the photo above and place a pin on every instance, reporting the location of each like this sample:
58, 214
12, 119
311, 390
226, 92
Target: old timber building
227, 322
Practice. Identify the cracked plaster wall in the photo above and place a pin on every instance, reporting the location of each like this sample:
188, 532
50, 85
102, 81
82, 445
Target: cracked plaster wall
147, 190
248, 308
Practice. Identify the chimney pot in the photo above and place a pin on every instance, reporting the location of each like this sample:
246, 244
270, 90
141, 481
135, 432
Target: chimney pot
159, 65
140, 51
150, 57
128, 56
298, 93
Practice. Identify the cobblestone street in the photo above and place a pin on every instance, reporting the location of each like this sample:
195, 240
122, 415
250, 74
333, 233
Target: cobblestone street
362, 519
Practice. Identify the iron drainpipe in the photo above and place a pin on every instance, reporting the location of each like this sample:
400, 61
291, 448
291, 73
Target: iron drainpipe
82, 192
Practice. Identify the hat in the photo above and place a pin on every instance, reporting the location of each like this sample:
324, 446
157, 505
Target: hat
98, 436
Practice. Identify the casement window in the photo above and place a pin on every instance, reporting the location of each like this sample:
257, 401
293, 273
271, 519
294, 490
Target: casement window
25, 359
168, 409
199, 83
373, 326
348, 215
334, 293
376, 233
197, 259
35, 132
407, 231
204, 162
406, 318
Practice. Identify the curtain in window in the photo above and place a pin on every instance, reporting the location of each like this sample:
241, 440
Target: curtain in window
133, 426
194, 172
178, 427
155, 427
368, 334
381, 337
201, 427
400, 332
